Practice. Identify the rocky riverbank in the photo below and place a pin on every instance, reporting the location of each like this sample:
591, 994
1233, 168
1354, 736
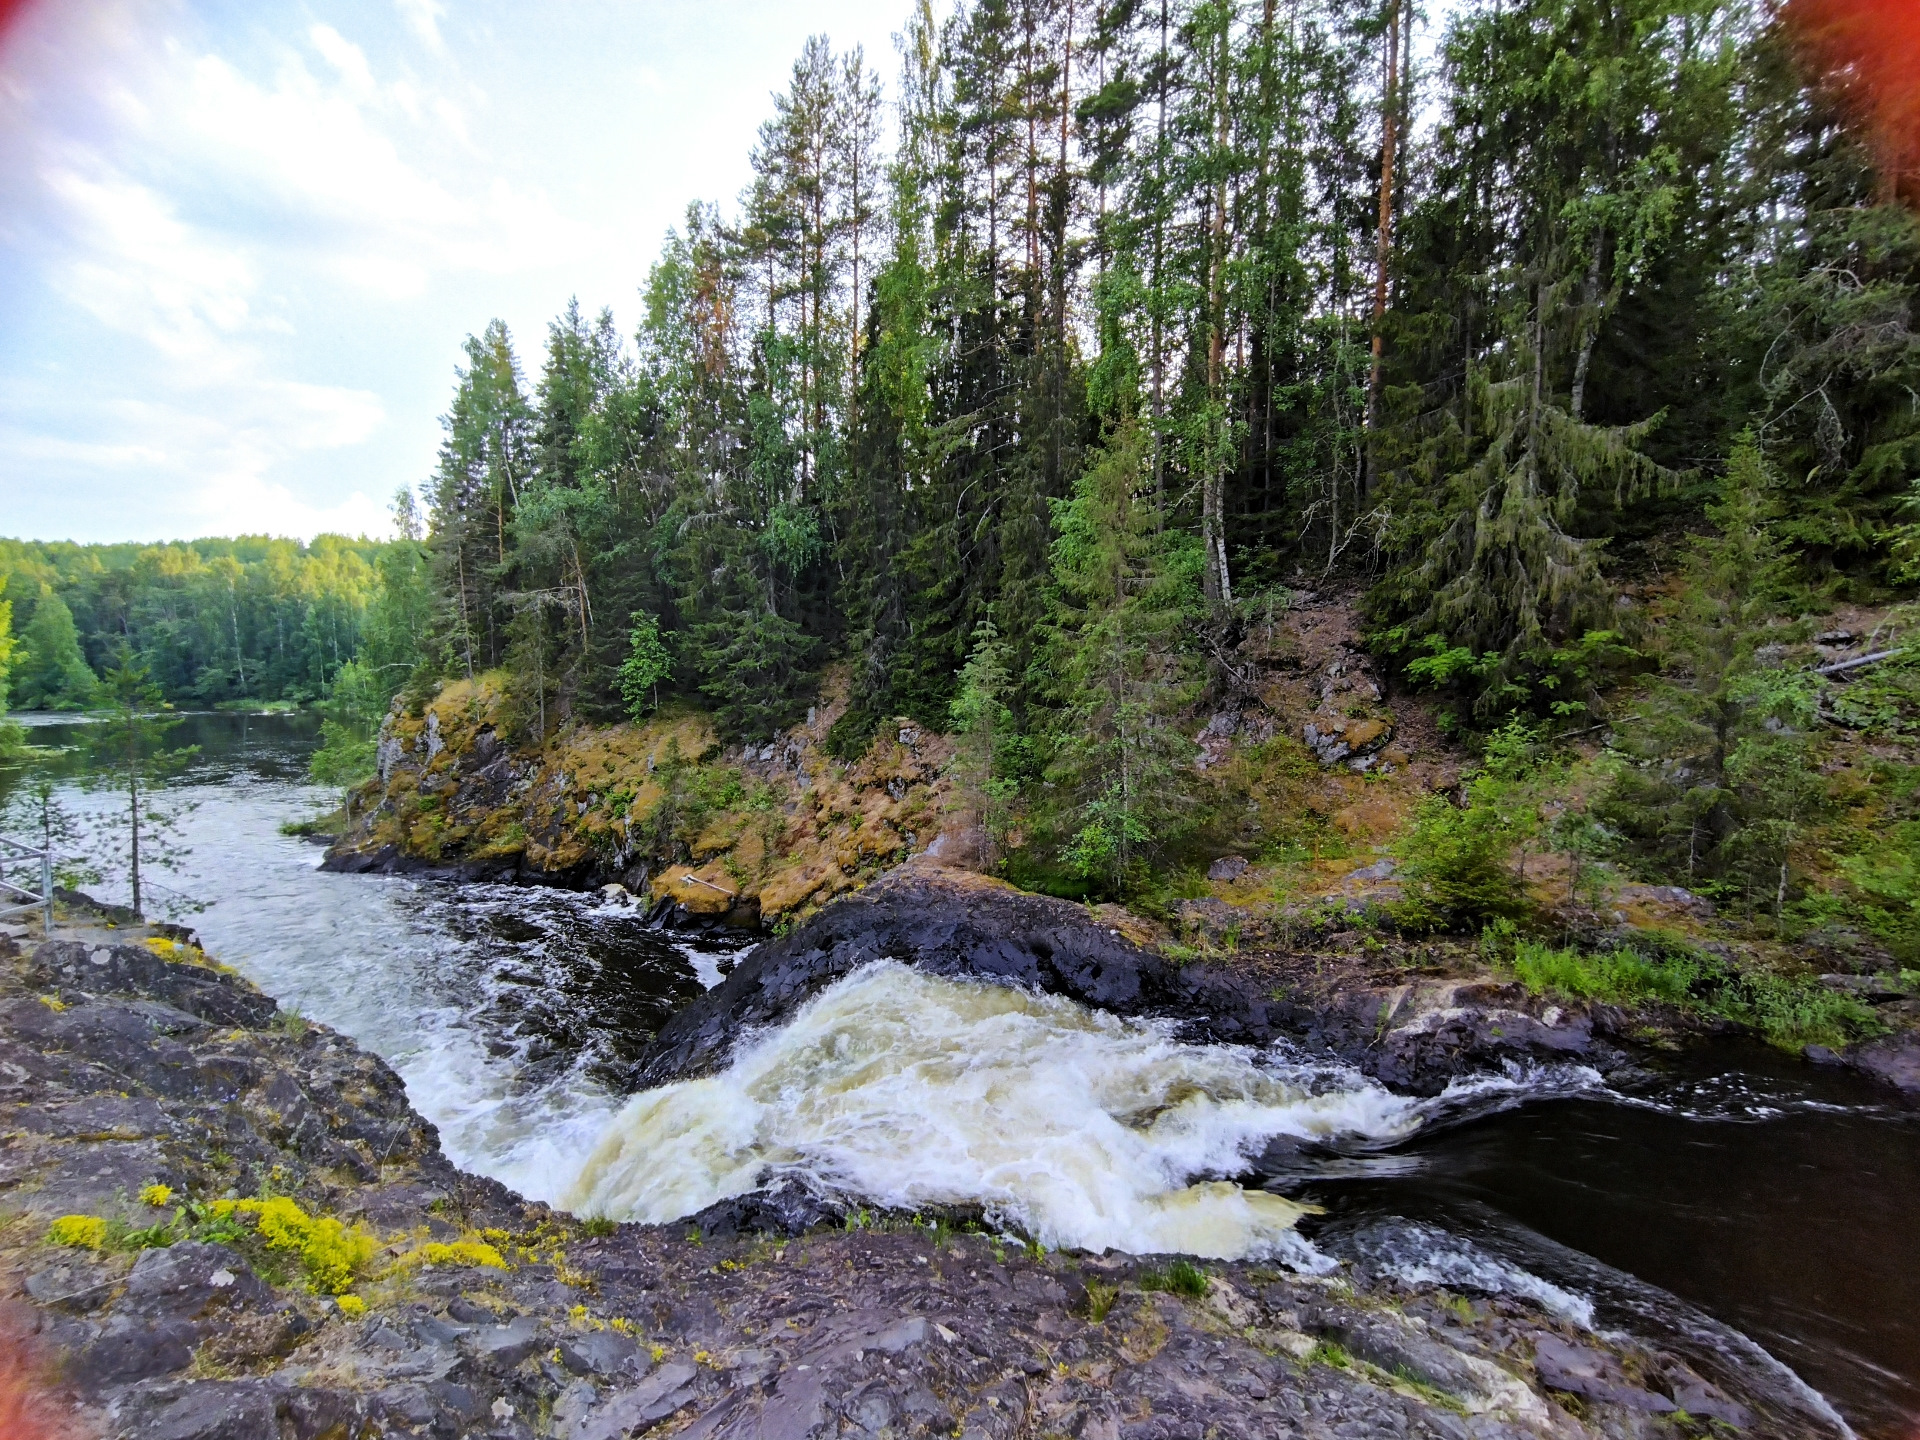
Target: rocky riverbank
1414, 1017
714, 834
263, 1239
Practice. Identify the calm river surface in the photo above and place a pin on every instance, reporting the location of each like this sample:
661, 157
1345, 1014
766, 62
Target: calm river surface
1746, 1208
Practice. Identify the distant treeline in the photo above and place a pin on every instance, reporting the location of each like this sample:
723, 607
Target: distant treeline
245, 618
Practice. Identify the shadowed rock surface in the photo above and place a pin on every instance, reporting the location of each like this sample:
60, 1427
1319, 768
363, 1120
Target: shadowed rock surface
119, 1070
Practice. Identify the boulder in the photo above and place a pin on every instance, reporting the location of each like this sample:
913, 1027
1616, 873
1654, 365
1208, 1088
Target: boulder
1227, 868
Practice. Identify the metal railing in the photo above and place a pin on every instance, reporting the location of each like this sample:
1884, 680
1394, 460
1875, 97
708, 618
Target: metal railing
17, 899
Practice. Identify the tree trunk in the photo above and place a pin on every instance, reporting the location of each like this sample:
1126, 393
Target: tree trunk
1213, 520
133, 807
1589, 330
1159, 251
1389, 140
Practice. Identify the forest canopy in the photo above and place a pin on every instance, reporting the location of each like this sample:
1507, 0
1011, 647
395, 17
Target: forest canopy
214, 620
1022, 386
1474, 333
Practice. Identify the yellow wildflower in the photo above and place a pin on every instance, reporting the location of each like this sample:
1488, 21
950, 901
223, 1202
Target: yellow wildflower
81, 1232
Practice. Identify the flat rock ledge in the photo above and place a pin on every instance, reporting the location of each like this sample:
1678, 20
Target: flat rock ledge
120, 1070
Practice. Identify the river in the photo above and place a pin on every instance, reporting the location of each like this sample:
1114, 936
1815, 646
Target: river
1738, 1205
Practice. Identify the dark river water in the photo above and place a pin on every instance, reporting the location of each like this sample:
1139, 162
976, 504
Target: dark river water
1741, 1207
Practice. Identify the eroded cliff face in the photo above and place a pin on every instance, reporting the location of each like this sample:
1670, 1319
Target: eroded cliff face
1312, 770
740, 835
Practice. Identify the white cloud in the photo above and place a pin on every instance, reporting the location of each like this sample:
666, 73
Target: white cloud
132, 265
239, 246
346, 57
423, 18
197, 464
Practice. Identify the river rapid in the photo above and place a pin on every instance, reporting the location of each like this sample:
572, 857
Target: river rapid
1739, 1205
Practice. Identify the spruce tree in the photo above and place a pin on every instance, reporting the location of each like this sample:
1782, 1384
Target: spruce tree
1715, 783
1125, 598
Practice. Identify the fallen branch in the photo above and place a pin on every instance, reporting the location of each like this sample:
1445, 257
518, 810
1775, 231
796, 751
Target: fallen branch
1854, 664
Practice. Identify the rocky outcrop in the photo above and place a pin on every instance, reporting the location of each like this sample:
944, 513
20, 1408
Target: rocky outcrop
476, 1314
960, 925
723, 835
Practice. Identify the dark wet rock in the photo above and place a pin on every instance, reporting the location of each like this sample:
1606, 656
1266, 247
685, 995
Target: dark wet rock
501, 1347
948, 923
190, 1278
73, 1285
787, 1207
944, 922
1580, 1370
206, 1410
1701, 1398
1892, 1059
197, 990
601, 1353
668, 1390
98, 1117
131, 1346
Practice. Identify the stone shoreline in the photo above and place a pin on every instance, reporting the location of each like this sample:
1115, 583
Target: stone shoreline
483, 1315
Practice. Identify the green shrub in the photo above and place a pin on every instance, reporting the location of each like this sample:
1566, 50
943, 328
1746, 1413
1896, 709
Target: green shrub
1789, 1011
1621, 974
1100, 1298
1794, 1012
1455, 869
1455, 861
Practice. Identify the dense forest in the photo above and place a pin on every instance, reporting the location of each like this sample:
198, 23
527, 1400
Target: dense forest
1137, 315
1577, 339
215, 621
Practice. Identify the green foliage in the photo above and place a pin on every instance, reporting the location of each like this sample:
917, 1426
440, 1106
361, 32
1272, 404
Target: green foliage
1125, 602
1182, 1277
217, 620
1881, 699
983, 723
1456, 859
1100, 1298
1714, 782
52, 674
1794, 1012
34, 812
1621, 975
356, 703
1790, 1011
130, 758
648, 662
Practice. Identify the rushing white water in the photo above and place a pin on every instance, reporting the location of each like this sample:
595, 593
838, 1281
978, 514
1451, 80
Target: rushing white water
1081, 1128
491, 1001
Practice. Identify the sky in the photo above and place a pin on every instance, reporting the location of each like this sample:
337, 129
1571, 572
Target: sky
241, 241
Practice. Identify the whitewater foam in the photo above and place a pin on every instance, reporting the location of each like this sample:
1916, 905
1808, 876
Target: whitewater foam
1078, 1127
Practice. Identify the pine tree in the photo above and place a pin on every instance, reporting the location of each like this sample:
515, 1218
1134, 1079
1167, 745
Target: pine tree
132, 722
485, 464
983, 723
